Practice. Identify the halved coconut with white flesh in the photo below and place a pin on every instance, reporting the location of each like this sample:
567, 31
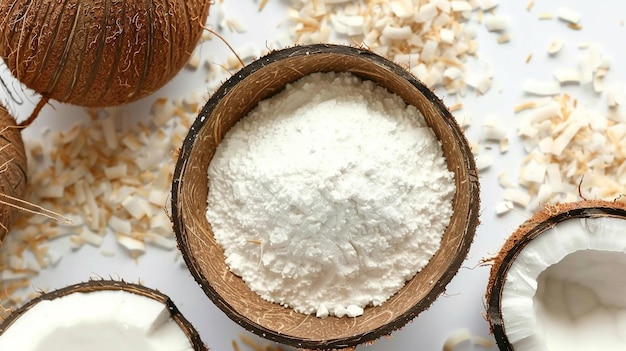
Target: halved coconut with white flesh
99, 316
559, 281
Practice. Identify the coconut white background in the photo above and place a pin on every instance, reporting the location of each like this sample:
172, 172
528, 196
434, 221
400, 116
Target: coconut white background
462, 306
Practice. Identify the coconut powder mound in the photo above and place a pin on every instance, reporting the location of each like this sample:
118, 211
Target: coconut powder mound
329, 196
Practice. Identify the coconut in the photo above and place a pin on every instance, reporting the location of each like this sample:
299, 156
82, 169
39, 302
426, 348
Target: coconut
12, 170
558, 282
98, 53
104, 314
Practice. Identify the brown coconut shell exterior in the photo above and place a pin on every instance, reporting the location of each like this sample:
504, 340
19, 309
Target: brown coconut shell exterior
204, 257
99, 52
104, 285
13, 169
536, 225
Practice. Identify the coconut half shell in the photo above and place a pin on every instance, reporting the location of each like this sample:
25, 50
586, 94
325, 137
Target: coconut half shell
111, 285
204, 257
530, 230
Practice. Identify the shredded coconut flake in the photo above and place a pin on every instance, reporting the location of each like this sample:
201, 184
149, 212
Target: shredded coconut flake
572, 150
568, 15
496, 23
537, 87
555, 45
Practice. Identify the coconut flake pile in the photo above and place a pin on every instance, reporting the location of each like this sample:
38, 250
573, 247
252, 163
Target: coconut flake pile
107, 175
571, 154
572, 151
432, 38
329, 196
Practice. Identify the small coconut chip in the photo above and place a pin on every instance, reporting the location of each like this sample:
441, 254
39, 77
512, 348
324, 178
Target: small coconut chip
567, 75
504, 38
252, 344
111, 315
545, 16
434, 38
503, 207
194, 61
529, 57
568, 15
558, 282
544, 88
463, 336
524, 106
572, 152
492, 130
483, 161
574, 26
457, 338
517, 196
487, 5
555, 45
497, 23
616, 96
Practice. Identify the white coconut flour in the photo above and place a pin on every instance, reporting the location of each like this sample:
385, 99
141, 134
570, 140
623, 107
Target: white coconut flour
329, 196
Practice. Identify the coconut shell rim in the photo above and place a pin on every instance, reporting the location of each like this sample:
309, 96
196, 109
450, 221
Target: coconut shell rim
530, 229
357, 339
112, 285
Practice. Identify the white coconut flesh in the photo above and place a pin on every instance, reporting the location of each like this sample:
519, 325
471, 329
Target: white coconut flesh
566, 290
97, 321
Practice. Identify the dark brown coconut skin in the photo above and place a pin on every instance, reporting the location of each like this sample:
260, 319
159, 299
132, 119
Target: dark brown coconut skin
533, 227
12, 169
98, 53
103, 285
204, 257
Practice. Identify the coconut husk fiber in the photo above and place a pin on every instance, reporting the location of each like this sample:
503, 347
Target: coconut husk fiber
13, 170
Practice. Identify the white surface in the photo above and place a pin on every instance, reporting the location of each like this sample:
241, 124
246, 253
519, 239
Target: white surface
462, 306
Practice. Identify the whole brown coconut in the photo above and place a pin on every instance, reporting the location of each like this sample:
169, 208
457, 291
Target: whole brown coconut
98, 53
12, 169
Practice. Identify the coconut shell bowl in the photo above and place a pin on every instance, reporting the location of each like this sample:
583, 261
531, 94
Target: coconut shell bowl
93, 286
204, 257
